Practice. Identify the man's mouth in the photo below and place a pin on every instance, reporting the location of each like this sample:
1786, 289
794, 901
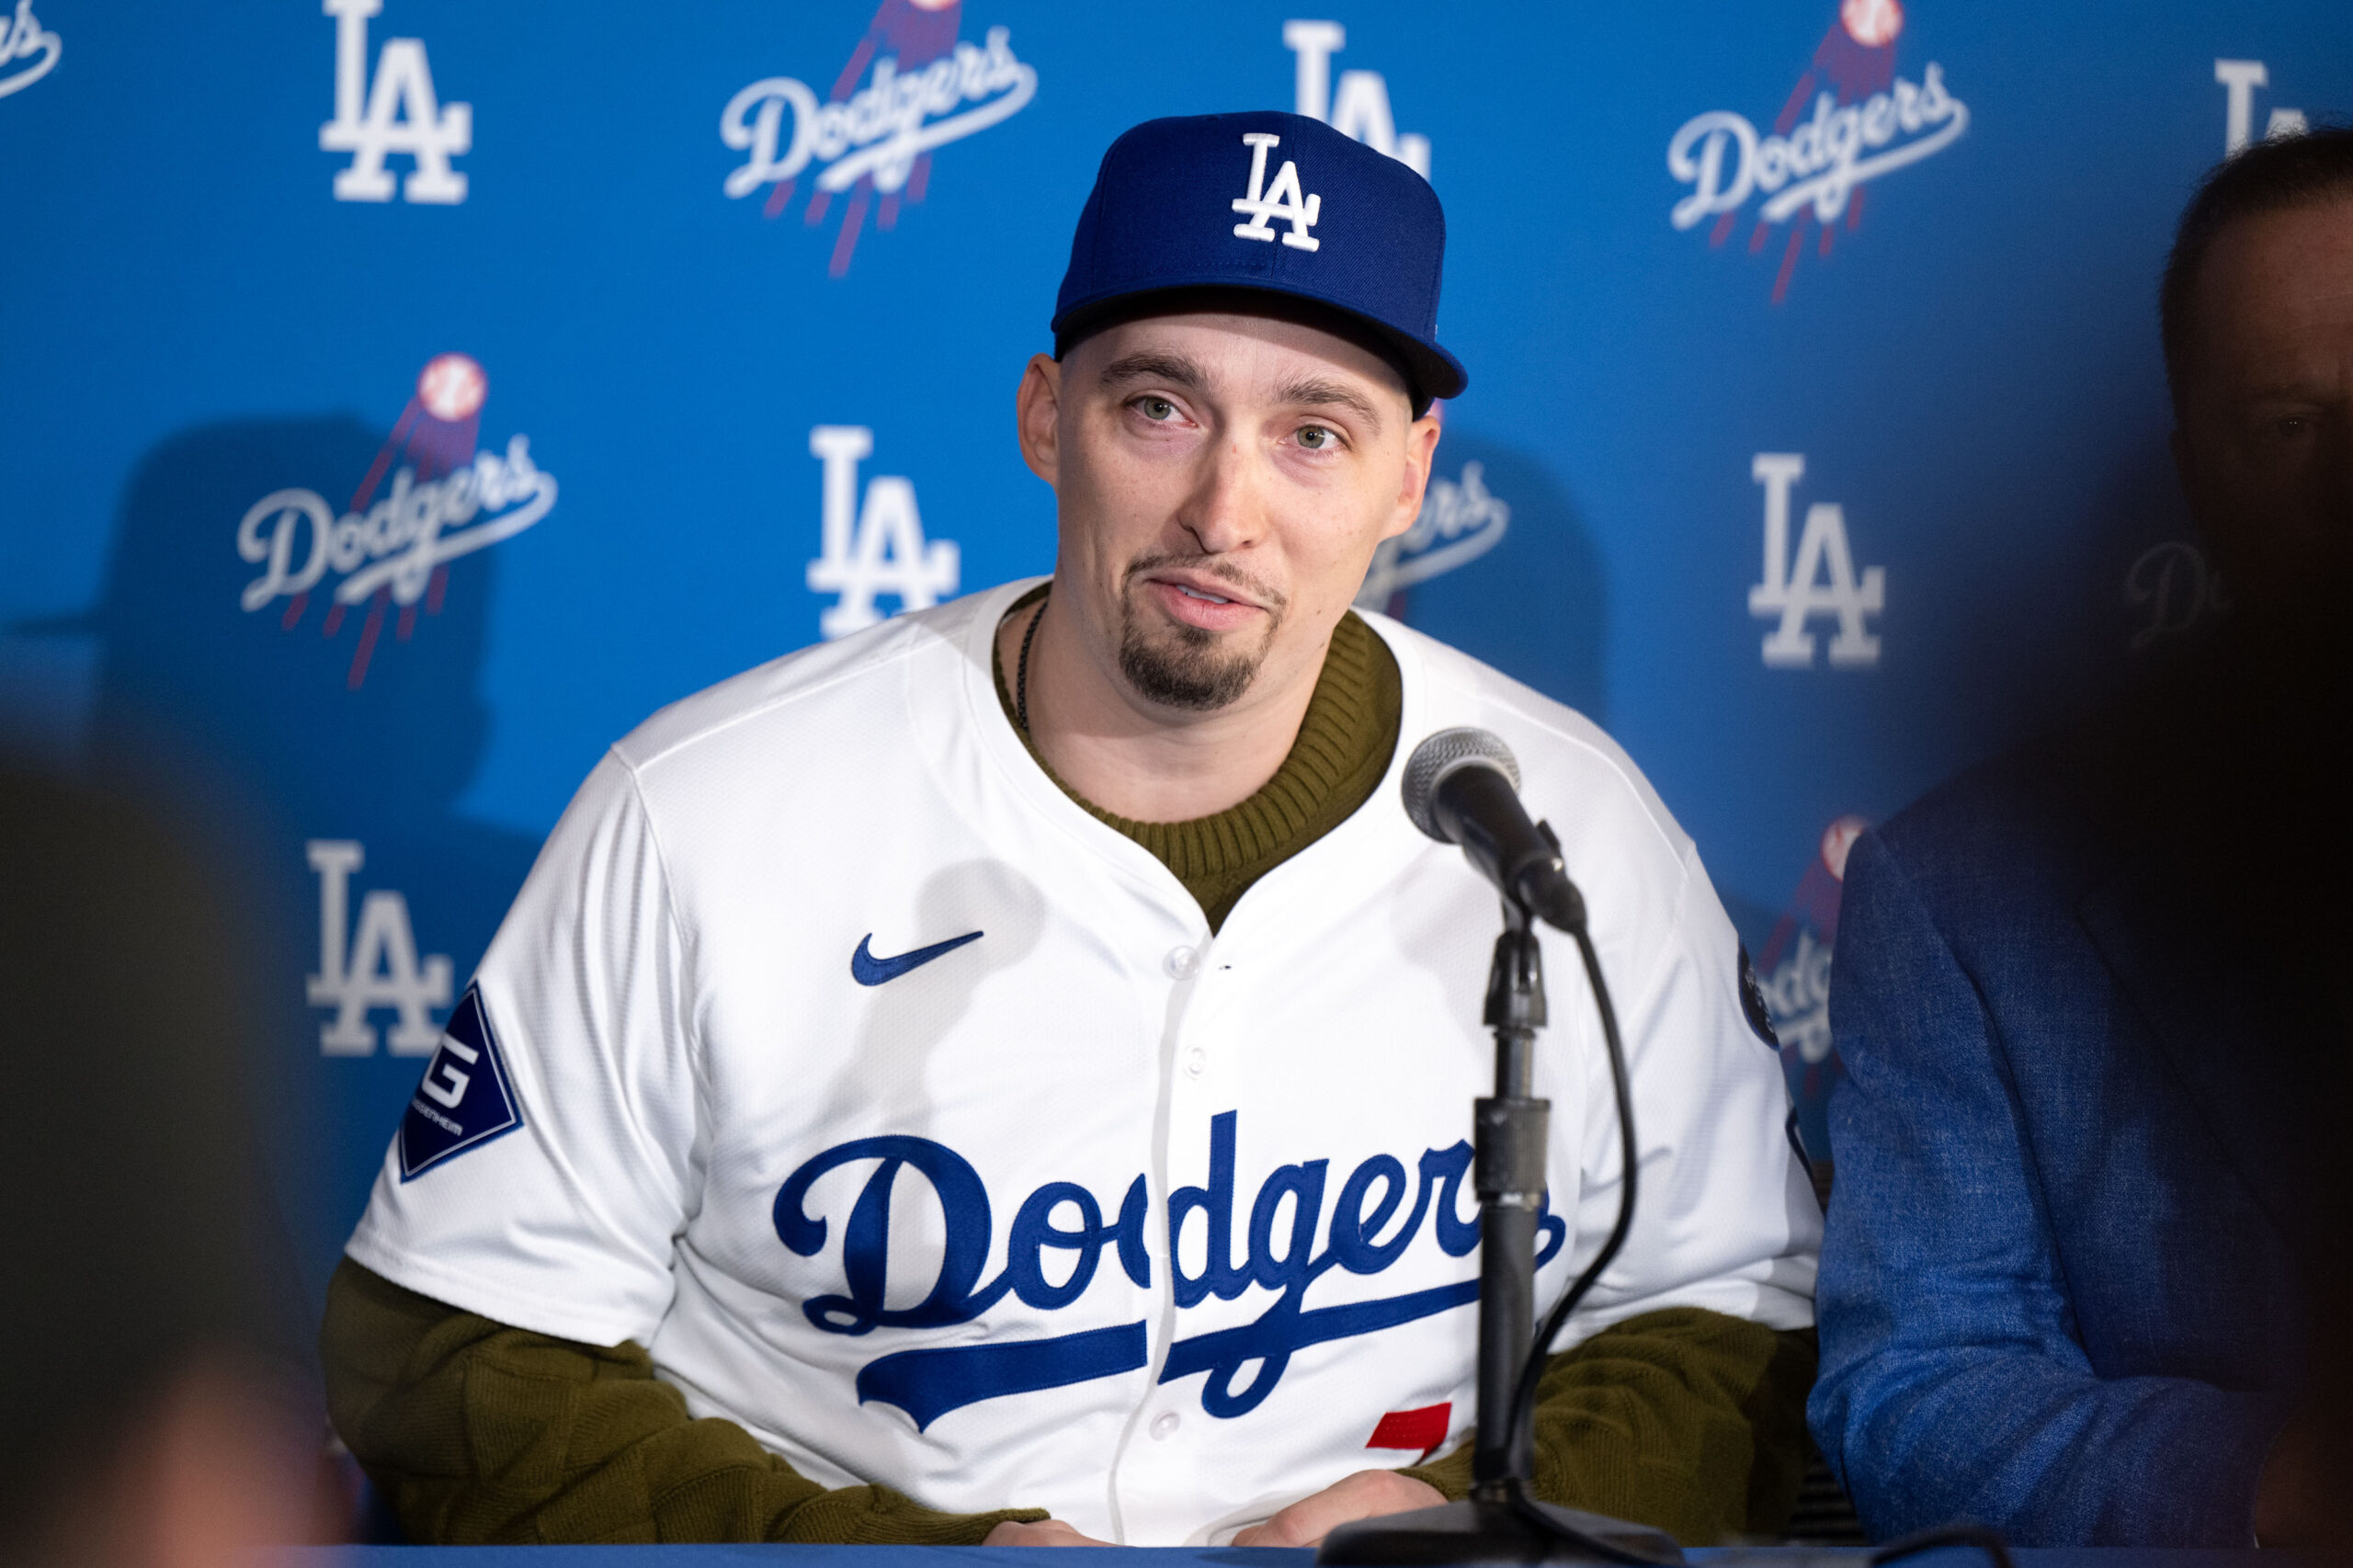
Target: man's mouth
1200, 606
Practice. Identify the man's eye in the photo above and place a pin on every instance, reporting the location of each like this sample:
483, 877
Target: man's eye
1316, 438
1156, 409
2288, 425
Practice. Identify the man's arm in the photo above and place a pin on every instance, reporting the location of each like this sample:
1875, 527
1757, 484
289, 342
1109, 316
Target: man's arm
1952, 1385
1687, 1410
1687, 1419
481, 1434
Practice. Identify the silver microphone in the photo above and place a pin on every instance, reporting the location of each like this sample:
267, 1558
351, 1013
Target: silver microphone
1461, 786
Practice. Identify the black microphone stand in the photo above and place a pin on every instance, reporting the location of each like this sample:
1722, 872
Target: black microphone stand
1462, 788
1500, 1522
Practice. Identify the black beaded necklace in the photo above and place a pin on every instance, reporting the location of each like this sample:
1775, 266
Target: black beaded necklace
1021, 669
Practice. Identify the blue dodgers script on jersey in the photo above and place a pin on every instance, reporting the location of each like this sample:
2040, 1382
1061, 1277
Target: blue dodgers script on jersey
929, 1382
466, 1098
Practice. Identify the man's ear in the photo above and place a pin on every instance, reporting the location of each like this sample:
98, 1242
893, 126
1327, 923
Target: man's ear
1421, 451
1038, 406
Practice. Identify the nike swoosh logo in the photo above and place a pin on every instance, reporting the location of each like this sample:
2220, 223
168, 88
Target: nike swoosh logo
867, 970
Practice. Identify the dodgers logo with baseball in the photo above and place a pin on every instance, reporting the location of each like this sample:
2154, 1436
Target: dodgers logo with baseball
1850, 119
1792, 978
927, 88
392, 545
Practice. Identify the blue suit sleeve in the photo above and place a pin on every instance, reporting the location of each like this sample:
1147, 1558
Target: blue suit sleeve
1952, 1385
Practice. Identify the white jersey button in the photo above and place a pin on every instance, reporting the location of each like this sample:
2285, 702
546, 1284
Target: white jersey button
1197, 1061
1164, 1426
1181, 962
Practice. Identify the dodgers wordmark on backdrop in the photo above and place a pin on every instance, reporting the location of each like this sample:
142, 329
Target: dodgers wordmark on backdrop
1817, 446
28, 51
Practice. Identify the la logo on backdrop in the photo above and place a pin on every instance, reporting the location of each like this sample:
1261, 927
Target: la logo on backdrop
369, 965
1822, 581
1850, 119
28, 51
925, 88
390, 548
2239, 79
397, 111
1359, 108
876, 546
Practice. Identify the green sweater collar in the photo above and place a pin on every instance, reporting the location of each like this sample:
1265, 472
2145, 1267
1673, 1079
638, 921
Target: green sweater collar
1342, 750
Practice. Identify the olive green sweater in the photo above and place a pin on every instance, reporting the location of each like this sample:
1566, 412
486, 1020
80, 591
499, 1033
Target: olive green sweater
1334, 766
479, 1433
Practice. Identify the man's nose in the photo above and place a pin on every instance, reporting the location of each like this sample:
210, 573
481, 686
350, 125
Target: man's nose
1225, 511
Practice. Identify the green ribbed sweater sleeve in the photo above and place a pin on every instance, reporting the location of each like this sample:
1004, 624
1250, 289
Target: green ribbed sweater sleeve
1687, 1419
481, 1435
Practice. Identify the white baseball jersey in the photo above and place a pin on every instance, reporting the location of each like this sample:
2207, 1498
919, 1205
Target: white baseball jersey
914, 1118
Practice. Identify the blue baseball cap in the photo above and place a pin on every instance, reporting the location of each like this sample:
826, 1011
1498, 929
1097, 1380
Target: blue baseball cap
1273, 203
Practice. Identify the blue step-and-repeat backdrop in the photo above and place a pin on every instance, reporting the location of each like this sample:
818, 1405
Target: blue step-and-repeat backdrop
400, 398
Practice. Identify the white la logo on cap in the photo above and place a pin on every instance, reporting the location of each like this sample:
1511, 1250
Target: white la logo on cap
1284, 202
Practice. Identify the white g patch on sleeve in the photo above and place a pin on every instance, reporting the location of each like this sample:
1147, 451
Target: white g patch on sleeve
465, 1100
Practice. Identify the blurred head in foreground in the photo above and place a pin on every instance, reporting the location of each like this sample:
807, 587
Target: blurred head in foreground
146, 1419
2257, 318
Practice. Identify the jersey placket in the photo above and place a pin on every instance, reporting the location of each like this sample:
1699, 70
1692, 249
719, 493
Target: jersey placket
1153, 1477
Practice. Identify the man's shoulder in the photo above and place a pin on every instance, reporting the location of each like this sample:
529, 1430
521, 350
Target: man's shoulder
1565, 759
2012, 841
2127, 773
845, 691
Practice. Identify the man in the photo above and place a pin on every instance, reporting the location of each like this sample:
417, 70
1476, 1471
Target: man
1022, 1054
2086, 1270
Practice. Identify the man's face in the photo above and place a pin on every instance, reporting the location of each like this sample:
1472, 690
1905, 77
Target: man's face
1221, 482
2266, 439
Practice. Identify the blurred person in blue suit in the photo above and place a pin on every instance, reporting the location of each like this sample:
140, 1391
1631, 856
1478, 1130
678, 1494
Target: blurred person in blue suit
2086, 1270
